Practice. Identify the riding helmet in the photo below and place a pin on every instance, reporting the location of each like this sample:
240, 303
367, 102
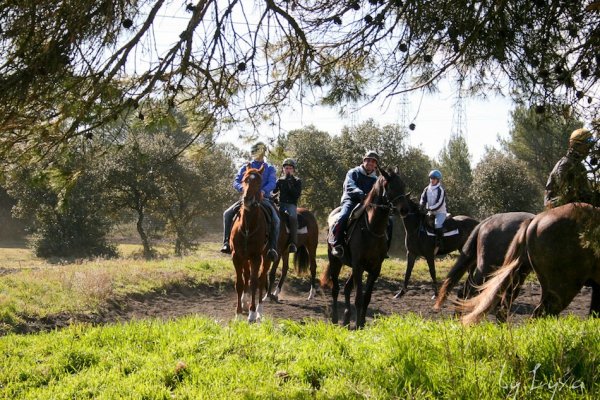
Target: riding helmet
289, 161
435, 174
581, 136
373, 155
258, 148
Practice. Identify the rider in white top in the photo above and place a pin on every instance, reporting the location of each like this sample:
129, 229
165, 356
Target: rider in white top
433, 200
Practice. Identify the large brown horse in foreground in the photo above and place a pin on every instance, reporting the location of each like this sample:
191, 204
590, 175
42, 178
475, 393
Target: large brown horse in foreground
366, 246
558, 245
249, 245
308, 239
482, 254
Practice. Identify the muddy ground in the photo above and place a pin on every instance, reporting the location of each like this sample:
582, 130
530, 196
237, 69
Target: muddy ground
218, 302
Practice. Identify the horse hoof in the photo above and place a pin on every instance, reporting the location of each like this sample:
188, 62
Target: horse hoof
252, 316
400, 293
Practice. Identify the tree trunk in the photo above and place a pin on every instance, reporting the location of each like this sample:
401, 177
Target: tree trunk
143, 236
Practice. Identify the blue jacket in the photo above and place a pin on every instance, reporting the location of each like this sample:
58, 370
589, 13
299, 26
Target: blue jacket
358, 184
269, 177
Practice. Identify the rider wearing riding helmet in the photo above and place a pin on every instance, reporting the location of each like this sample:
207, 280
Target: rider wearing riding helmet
568, 182
357, 185
433, 200
258, 151
289, 188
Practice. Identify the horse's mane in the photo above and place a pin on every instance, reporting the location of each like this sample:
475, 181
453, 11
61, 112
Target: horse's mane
252, 171
376, 190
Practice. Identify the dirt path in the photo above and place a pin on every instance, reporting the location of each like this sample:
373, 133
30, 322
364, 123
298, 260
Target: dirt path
218, 302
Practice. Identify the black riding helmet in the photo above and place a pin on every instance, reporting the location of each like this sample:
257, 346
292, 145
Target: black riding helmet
371, 154
290, 161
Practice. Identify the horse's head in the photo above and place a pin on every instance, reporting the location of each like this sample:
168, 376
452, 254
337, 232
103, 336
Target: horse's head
251, 184
395, 192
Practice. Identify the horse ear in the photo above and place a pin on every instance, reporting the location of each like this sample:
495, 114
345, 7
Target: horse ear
248, 166
396, 170
261, 169
383, 173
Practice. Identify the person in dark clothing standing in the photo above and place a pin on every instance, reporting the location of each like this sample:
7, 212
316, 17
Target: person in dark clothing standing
289, 188
568, 182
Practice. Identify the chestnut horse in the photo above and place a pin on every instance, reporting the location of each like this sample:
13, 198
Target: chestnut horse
366, 246
420, 243
482, 254
249, 245
306, 254
561, 246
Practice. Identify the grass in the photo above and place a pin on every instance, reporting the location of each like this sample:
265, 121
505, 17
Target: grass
395, 357
194, 357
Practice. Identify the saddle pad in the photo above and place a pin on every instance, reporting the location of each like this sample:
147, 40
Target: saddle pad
301, 231
449, 233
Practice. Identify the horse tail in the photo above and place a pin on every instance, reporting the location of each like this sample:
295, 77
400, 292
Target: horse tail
504, 280
301, 260
466, 260
325, 280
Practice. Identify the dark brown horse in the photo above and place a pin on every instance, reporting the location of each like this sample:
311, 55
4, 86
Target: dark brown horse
421, 243
308, 239
556, 245
248, 245
483, 253
366, 247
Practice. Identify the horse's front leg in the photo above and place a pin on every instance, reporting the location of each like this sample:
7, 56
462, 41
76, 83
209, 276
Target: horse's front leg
371, 278
359, 300
348, 306
335, 290
431, 265
239, 287
255, 267
313, 274
284, 270
410, 263
272, 277
262, 287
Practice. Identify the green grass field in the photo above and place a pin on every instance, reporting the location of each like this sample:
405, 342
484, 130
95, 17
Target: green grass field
194, 357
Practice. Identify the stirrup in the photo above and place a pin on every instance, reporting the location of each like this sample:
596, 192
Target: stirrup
272, 254
226, 249
337, 251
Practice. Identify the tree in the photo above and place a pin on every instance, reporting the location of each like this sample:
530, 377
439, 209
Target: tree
319, 168
455, 164
193, 189
67, 66
540, 140
64, 206
501, 184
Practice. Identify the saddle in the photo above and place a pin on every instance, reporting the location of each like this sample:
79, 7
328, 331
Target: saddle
450, 227
302, 225
356, 213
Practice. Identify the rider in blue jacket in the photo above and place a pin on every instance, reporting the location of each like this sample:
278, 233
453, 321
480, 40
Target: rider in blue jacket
269, 179
357, 185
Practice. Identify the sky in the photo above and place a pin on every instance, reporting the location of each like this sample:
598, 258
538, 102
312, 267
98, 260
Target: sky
434, 115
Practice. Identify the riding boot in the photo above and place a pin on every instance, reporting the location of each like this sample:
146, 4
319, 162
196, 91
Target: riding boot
337, 248
293, 234
227, 223
439, 236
